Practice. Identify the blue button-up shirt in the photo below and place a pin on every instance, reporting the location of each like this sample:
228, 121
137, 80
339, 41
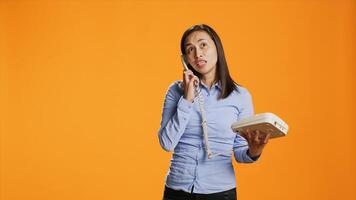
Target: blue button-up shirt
181, 133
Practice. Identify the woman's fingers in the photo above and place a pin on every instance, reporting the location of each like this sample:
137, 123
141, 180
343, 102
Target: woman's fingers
256, 137
265, 141
262, 137
256, 140
188, 75
189, 83
190, 78
253, 136
248, 135
243, 134
195, 81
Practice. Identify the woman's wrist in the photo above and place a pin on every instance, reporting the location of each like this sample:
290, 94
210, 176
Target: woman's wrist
188, 99
253, 154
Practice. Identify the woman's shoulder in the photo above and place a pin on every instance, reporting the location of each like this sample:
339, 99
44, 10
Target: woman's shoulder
242, 91
176, 87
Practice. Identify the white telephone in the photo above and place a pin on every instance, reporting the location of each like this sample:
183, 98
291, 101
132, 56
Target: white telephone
265, 122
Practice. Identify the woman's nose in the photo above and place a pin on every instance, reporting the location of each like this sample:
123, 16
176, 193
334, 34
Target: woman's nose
198, 53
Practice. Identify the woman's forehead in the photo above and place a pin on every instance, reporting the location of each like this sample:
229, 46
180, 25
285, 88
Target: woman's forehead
197, 36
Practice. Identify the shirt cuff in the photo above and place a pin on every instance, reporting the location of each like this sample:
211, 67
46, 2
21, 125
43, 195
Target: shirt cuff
254, 158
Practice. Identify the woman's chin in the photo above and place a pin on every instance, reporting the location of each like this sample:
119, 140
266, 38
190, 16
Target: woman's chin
200, 69
204, 71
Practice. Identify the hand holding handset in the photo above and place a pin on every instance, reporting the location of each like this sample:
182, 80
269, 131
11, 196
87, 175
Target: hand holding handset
190, 82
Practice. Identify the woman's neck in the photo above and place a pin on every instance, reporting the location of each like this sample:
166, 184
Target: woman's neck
208, 80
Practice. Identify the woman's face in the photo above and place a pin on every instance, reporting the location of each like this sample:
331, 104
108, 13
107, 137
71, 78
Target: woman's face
201, 52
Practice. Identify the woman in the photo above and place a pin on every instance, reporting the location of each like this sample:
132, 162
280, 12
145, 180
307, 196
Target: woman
192, 173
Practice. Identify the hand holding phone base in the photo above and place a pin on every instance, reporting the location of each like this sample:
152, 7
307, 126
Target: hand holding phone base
265, 122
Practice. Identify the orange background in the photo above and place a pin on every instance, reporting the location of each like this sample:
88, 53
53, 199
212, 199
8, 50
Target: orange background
83, 82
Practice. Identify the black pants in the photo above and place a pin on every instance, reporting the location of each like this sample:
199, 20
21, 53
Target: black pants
170, 194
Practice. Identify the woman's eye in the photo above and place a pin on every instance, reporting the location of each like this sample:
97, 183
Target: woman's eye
190, 49
203, 44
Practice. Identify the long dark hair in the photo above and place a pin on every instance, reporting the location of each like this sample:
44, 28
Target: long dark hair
222, 72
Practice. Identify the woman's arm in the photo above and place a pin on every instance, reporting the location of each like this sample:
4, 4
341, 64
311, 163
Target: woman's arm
175, 117
240, 144
241, 151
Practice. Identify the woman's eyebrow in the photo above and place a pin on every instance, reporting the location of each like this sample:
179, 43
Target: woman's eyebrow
198, 41
201, 39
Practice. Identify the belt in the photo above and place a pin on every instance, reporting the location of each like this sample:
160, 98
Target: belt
182, 195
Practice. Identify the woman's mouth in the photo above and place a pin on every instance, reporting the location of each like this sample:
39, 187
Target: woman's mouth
201, 63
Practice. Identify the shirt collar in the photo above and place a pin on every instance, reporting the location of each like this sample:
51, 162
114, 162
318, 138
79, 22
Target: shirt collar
215, 85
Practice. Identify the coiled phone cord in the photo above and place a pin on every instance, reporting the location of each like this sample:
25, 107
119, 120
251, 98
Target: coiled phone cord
203, 124
208, 151
200, 97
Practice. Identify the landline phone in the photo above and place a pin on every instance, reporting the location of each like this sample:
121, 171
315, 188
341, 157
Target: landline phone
266, 122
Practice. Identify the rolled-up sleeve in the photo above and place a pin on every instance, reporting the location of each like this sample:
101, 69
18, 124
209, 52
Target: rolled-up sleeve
175, 117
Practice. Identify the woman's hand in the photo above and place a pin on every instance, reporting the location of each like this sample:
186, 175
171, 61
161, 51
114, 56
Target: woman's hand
189, 83
256, 141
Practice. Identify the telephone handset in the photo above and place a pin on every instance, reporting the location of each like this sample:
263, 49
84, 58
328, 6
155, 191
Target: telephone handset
184, 63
